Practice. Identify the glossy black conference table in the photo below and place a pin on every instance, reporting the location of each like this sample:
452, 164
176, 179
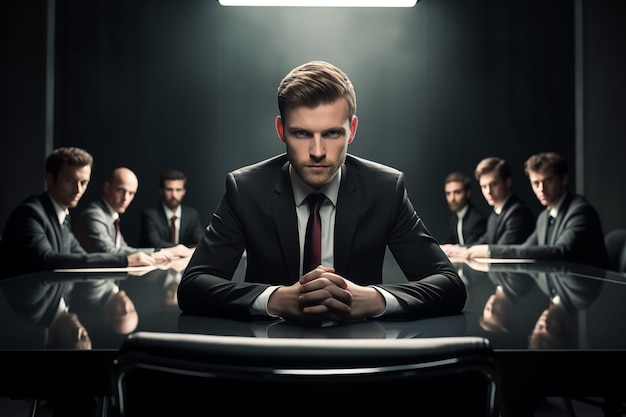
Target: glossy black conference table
557, 329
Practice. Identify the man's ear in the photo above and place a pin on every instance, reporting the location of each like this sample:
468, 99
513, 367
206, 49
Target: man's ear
280, 129
353, 124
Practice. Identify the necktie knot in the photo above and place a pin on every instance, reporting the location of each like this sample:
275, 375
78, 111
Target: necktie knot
315, 200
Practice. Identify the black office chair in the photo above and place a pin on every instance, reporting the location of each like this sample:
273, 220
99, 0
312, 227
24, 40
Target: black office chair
188, 374
615, 242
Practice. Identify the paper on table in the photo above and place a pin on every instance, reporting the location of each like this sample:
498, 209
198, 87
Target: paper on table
123, 269
504, 261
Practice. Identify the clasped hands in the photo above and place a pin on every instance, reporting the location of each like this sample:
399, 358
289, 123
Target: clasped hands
322, 295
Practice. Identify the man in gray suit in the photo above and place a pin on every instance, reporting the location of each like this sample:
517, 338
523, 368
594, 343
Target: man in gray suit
365, 209
569, 229
98, 226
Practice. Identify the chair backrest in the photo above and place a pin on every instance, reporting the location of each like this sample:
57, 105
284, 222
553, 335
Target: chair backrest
179, 374
615, 242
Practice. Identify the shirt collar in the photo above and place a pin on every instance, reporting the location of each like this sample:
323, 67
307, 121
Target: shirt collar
169, 212
499, 209
59, 211
112, 212
301, 189
461, 213
555, 210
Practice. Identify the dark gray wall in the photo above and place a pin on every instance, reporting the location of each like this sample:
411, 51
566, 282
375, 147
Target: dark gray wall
190, 84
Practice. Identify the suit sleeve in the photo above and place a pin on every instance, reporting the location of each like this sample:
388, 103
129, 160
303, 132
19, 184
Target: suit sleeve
580, 239
206, 287
434, 287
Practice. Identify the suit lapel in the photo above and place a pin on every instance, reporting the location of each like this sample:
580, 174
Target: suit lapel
284, 214
346, 218
559, 219
51, 215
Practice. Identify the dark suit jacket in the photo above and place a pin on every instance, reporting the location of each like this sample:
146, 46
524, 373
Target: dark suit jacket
577, 237
257, 214
474, 226
513, 225
155, 228
33, 241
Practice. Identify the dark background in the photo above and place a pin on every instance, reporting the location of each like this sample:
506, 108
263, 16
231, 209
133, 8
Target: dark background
190, 84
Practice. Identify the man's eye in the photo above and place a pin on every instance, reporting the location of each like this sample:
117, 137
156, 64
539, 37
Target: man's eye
333, 134
300, 133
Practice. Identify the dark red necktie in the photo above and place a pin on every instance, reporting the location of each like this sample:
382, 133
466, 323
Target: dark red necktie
116, 223
173, 229
313, 239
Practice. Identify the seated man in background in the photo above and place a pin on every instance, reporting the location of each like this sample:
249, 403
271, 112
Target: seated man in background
98, 226
171, 222
568, 230
315, 223
511, 221
467, 223
38, 235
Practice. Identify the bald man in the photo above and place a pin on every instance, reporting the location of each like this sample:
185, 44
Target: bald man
98, 227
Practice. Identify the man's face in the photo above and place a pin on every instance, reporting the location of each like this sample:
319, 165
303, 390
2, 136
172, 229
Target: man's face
172, 193
120, 192
317, 140
69, 185
494, 188
548, 186
456, 195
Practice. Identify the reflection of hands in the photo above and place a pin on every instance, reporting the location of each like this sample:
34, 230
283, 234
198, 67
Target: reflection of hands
477, 266
140, 259
357, 330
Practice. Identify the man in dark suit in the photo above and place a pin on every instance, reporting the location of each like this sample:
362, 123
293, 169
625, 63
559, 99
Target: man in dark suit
37, 235
365, 209
171, 222
569, 229
511, 221
467, 223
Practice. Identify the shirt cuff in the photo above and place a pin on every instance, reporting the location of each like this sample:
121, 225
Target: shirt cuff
259, 306
391, 302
